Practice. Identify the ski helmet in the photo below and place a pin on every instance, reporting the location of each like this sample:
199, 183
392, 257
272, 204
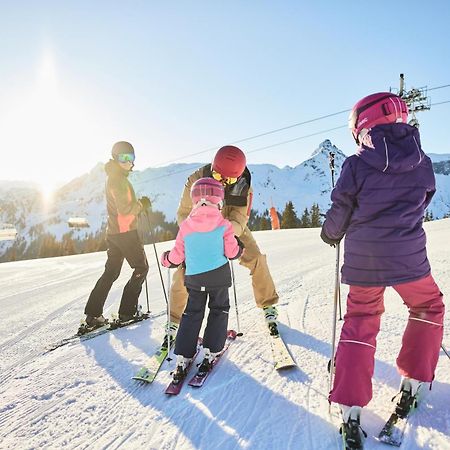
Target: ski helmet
376, 109
122, 148
207, 190
229, 161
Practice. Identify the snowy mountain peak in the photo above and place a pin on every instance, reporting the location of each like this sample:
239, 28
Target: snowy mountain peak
325, 148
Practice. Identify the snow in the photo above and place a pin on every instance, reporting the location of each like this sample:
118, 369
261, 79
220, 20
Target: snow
81, 396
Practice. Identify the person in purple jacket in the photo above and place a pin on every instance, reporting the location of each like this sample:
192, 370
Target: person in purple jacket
378, 204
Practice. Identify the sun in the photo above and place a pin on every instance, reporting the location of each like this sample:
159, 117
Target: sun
47, 191
51, 127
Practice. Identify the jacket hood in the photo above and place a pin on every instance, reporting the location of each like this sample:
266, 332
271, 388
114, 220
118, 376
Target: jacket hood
112, 168
392, 148
205, 218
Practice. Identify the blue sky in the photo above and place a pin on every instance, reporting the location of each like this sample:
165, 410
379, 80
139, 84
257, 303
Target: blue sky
176, 78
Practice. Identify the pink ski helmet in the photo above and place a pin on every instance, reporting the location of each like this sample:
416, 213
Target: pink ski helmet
376, 109
207, 190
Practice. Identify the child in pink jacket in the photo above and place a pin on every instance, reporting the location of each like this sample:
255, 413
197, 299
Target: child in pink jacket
204, 243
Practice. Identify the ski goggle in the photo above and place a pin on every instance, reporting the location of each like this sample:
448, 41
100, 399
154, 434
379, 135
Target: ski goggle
125, 157
227, 180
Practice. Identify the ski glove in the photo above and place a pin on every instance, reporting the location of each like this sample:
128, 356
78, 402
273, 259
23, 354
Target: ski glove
145, 202
327, 240
165, 261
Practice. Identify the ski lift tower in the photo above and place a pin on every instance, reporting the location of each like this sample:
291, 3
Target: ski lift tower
415, 98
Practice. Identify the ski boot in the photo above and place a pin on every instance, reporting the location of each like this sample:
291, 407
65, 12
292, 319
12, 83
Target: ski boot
207, 363
409, 389
91, 323
352, 434
136, 317
271, 315
180, 371
171, 333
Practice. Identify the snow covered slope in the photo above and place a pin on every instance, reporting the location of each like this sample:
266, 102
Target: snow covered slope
81, 396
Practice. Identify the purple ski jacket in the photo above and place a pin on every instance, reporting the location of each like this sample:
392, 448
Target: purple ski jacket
378, 204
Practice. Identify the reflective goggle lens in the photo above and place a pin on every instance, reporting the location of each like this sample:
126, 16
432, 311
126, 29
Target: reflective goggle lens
227, 180
125, 157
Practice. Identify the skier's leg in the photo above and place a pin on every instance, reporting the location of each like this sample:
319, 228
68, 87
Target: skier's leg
216, 328
356, 348
97, 298
134, 253
262, 282
423, 334
178, 295
190, 324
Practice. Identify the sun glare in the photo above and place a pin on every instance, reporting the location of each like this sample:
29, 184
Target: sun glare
47, 191
46, 124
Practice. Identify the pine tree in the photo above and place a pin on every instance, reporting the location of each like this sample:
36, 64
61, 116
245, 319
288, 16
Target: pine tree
264, 223
305, 221
289, 217
315, 216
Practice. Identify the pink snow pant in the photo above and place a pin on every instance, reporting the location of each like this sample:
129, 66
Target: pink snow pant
355, 355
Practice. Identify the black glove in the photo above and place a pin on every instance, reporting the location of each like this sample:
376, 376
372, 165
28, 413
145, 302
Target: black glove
327, 240
145, 202
240, 243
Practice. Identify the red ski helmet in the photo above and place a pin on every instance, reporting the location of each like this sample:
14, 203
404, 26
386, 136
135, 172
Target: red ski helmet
208, 190
376, 109
229, 161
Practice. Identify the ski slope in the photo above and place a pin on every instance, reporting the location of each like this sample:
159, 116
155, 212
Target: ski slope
81, 396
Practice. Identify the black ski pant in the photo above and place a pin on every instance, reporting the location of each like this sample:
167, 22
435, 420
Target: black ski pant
120, 246
191, 321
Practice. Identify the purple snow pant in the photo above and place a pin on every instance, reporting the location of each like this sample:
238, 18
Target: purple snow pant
422, 338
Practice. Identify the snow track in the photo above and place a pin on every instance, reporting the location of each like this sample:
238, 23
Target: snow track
81, 396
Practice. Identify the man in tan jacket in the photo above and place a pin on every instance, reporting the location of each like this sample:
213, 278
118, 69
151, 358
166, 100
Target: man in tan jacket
229, 167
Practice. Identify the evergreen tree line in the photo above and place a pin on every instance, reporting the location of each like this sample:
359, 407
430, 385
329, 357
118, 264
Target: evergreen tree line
311, 218
152, 227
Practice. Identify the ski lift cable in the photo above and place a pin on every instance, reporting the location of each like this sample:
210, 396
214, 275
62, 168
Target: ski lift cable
277, 130
438, 87
277, 144
257, 150
440, 103
297, 139
257, 136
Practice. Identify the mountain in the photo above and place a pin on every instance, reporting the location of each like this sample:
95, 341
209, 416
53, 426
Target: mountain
304, 184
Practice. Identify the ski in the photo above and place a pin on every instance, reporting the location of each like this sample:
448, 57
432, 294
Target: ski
198, 380
84, 333
175, 388
282, 359
394, 429
148, 372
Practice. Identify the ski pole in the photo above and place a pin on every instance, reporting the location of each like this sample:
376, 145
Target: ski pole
235, 300
169, 338
143, 242
332, 169
445, 351
146, 295
337, 292
157, 259
335, 307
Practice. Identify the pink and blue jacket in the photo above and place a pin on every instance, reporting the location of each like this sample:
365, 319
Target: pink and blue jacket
205, 242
